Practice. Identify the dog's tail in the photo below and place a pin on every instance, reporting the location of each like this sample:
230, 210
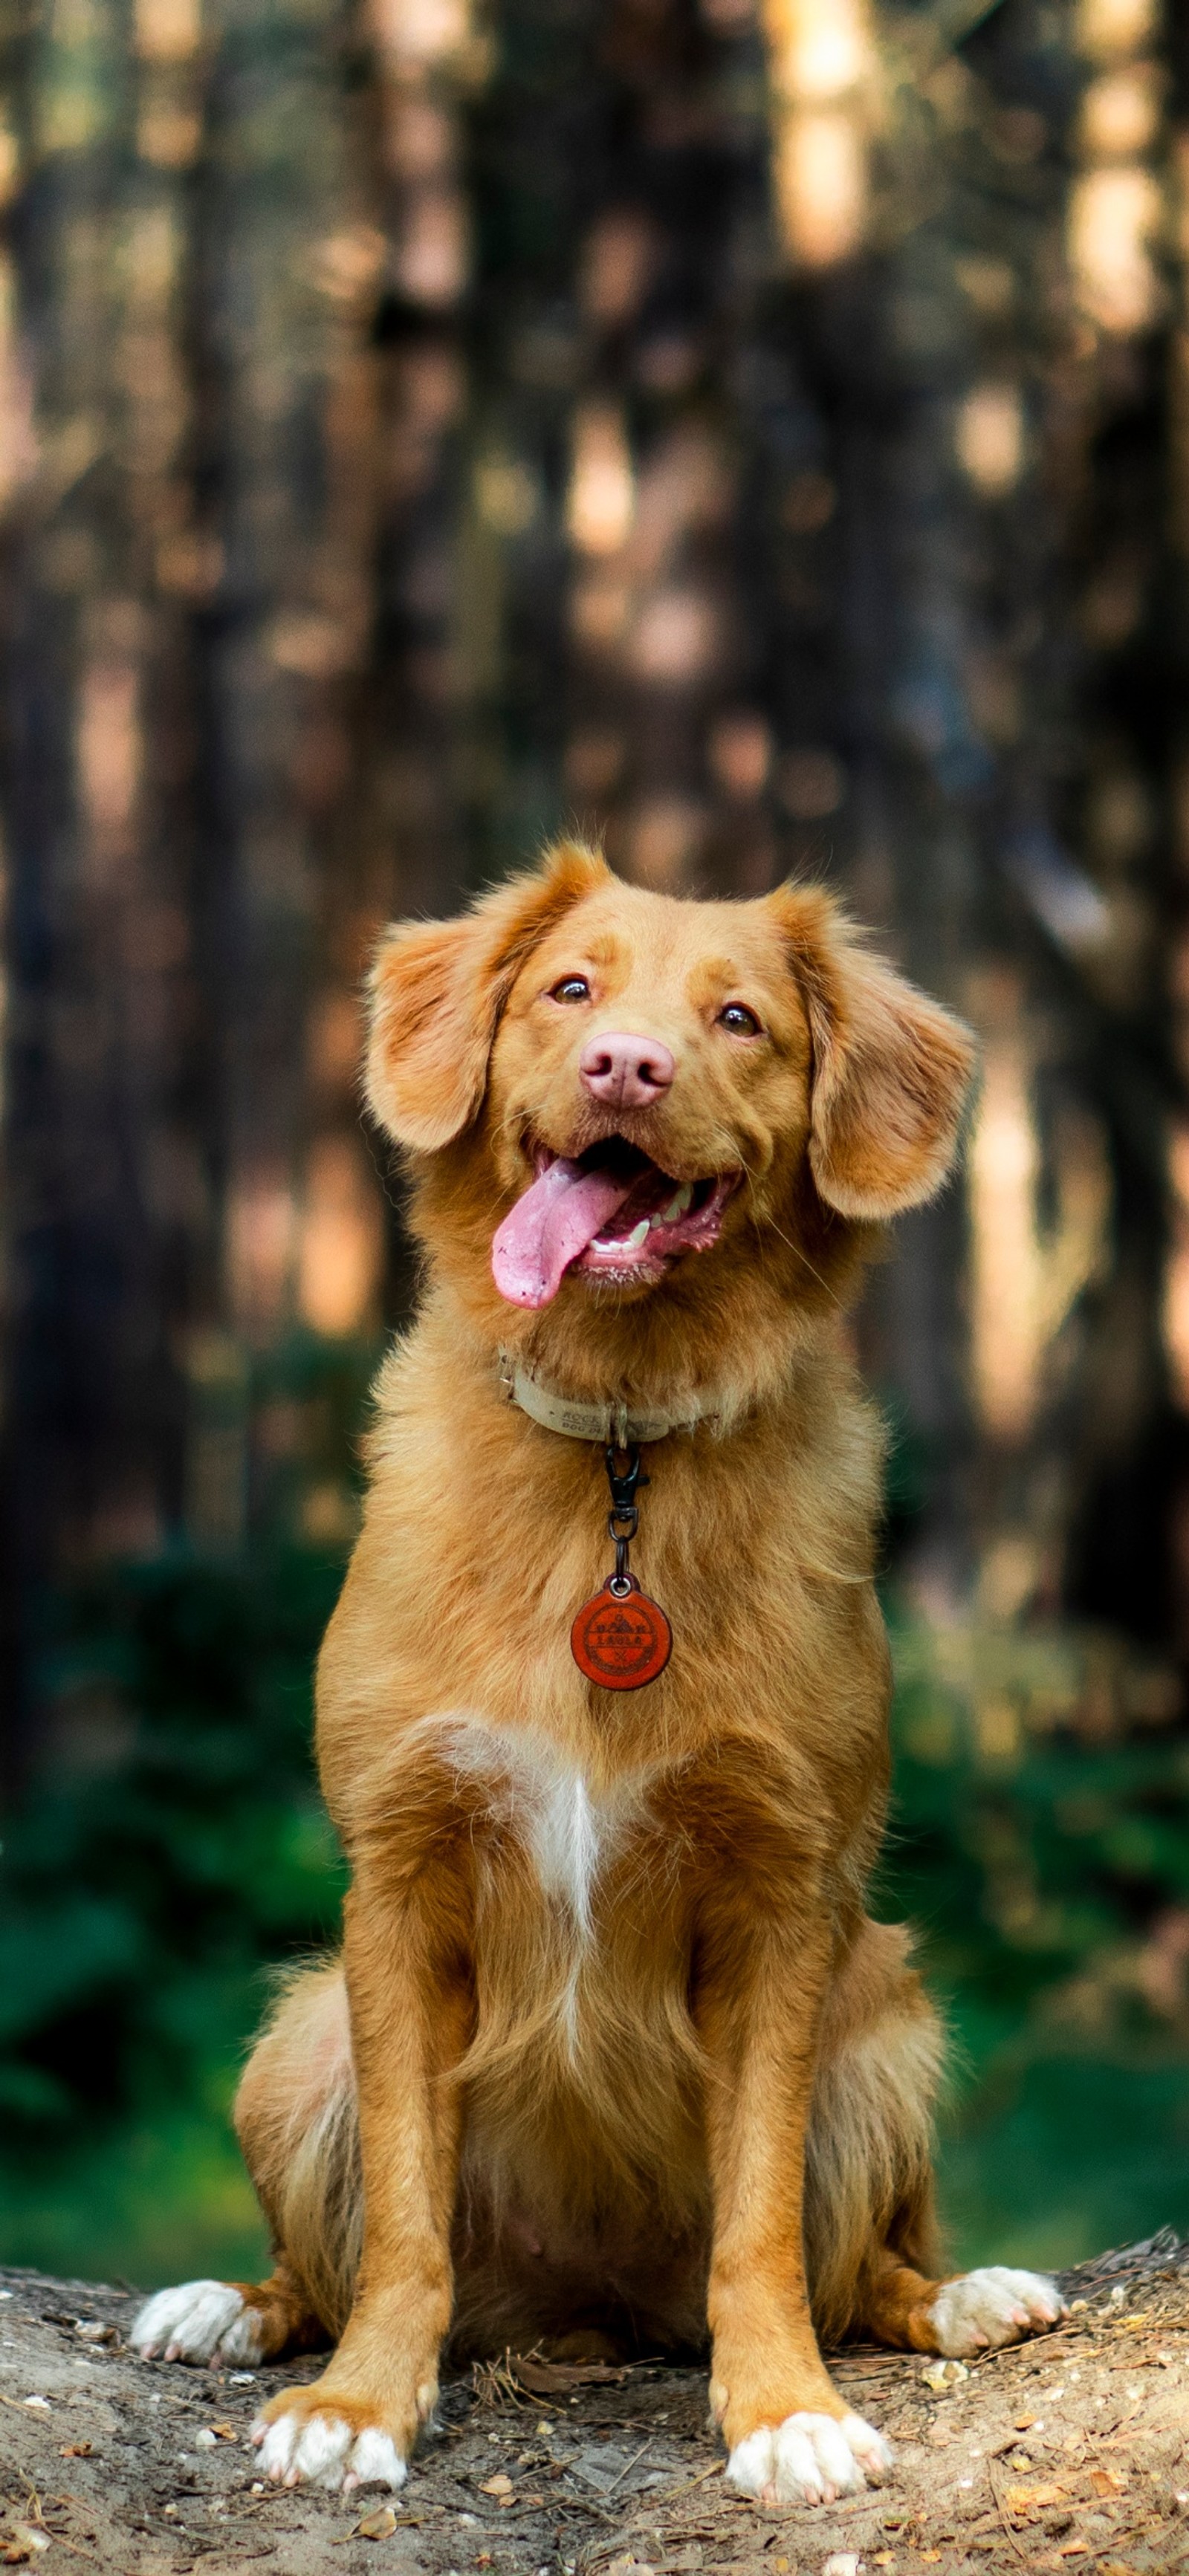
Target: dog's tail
869, 2151
297, 2121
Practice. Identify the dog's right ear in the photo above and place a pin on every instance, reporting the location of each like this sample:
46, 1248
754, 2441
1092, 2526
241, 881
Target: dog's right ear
436, 991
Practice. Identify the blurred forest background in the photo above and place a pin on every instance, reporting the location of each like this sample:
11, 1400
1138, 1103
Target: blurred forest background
756, 431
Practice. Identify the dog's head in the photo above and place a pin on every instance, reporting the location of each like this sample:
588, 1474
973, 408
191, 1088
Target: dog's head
619, 1081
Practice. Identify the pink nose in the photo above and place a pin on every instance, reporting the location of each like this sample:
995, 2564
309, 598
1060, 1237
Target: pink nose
629, 1072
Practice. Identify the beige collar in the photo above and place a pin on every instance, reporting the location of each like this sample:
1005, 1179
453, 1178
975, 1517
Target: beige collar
602, 1422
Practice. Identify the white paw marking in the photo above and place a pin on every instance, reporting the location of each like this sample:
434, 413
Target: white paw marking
243, 2339
324, 2451
375, 2461
809, 2459
199, 2321
991, 2307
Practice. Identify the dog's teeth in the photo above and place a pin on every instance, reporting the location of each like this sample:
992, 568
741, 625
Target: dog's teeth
638, 1235
676, 1207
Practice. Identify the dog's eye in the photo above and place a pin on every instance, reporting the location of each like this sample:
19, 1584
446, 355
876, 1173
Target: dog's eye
741, 1022
572, 988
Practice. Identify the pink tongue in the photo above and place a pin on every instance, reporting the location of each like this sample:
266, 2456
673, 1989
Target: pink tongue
547, 1229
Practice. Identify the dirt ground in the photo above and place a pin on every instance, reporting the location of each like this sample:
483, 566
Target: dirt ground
1069, 2451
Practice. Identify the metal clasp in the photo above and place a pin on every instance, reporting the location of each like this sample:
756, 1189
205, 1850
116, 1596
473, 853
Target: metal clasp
623, 1519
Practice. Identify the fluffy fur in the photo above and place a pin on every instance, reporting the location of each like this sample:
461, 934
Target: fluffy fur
613, 2051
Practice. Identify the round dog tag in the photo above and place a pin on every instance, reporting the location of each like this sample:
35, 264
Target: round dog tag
621, 1639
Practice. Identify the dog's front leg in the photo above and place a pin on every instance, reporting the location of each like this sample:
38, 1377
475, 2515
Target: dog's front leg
791, 2437
410, 1998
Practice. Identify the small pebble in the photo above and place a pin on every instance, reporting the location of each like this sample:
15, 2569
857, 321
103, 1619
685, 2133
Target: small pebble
944, 2374
204, 2439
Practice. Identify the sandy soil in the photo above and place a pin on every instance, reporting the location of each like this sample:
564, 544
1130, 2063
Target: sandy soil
1067, 2452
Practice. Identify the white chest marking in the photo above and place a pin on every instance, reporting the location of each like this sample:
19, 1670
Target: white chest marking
565, 1841
539, 1794
568, 1833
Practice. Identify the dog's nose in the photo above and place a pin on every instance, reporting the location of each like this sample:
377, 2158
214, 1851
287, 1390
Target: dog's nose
629, 1072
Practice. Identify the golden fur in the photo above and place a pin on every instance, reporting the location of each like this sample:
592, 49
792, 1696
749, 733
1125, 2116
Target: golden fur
614, 2050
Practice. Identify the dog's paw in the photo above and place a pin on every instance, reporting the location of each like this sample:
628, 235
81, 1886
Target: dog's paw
994, 2306
324, 2450
199, 2321
809, 2459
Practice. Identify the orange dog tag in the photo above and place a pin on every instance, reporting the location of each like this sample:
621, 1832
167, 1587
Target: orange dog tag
621, 1639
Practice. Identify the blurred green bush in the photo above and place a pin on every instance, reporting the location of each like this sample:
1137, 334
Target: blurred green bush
172, 1849
143, 1904
1039, 1842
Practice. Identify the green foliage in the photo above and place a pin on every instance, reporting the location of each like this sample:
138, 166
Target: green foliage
155, 2196
142, 1902
1027, 1854
173, 1849
1046, 1867
1059, 2152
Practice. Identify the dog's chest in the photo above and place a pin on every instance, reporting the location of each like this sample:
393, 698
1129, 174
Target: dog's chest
574, 1926
539, 1810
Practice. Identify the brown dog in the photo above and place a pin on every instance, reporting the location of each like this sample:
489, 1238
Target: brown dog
614, 2050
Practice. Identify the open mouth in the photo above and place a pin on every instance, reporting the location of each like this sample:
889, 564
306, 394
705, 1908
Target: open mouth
613, 1214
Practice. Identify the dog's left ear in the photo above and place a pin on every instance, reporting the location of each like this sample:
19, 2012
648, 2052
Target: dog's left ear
891, 1069
435, 994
